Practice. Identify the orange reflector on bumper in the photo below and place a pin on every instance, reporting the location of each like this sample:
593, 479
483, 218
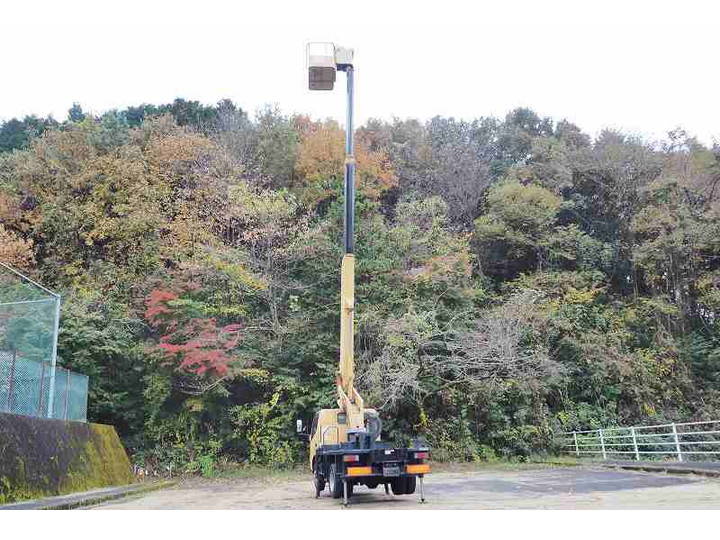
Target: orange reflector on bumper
359, 471
420, 468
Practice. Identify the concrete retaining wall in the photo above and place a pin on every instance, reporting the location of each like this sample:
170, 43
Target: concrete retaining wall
40, 457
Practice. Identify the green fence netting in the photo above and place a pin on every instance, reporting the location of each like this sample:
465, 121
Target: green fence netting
30, 381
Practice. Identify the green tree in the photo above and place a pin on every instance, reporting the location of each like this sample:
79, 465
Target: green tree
76, 113
512, 236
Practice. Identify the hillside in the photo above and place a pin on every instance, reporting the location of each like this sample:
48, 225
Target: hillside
515, 276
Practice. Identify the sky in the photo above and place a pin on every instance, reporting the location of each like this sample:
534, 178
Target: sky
643, 67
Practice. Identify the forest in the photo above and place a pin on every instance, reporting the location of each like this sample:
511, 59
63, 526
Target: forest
516, 277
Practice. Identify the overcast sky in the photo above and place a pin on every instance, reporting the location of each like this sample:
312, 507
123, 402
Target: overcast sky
645, 67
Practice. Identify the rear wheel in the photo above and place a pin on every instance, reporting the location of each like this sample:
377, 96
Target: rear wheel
410, 483
336, 482
318, 483
405, 485
398, 486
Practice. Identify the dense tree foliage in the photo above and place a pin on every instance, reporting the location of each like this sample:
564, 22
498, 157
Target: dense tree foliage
515, 276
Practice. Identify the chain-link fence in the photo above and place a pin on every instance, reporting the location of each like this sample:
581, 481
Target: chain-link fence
30, 381
25, 387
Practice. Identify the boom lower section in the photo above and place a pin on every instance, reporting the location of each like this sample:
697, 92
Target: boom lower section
349, 400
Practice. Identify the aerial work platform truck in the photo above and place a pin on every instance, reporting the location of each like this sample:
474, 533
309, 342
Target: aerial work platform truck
345, 443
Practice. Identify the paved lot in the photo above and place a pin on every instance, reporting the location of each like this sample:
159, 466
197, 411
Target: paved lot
488, 488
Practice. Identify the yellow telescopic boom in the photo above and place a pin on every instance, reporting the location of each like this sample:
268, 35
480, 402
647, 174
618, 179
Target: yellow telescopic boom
348, 398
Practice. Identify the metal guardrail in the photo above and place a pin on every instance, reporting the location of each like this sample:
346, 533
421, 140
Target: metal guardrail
678, 440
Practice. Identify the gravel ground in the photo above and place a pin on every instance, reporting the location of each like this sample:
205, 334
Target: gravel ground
500, 487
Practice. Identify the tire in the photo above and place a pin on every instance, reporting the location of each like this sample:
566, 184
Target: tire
335, 482
410, 483
398, 486
405, 485
318, 484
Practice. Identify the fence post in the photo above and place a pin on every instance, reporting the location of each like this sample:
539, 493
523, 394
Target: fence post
677, 442
602, 443
635, 445
53, 359
67, 392
577, 448
11, 382
42, 385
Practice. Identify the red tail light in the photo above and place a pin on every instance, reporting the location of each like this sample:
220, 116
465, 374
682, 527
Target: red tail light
422, 455
351, 459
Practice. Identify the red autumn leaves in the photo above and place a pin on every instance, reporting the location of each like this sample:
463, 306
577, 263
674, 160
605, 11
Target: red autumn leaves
197, 345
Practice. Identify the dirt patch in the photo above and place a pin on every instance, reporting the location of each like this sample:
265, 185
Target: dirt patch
495, 487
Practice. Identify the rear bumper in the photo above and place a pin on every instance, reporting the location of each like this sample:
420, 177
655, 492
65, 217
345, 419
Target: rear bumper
412, 469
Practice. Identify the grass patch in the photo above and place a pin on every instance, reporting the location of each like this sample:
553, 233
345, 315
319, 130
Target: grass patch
533, 462
558, 461
243, 471
256, 472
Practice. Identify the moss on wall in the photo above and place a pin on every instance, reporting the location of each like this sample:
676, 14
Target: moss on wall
40, 457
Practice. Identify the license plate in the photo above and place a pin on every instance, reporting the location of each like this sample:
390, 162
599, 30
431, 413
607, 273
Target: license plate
392, 470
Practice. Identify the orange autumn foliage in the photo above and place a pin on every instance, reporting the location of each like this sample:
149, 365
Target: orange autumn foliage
15, 251
321, 161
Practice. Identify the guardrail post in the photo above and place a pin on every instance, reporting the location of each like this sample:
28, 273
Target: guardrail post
677, 442
602, 443
635, 445
577, 448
